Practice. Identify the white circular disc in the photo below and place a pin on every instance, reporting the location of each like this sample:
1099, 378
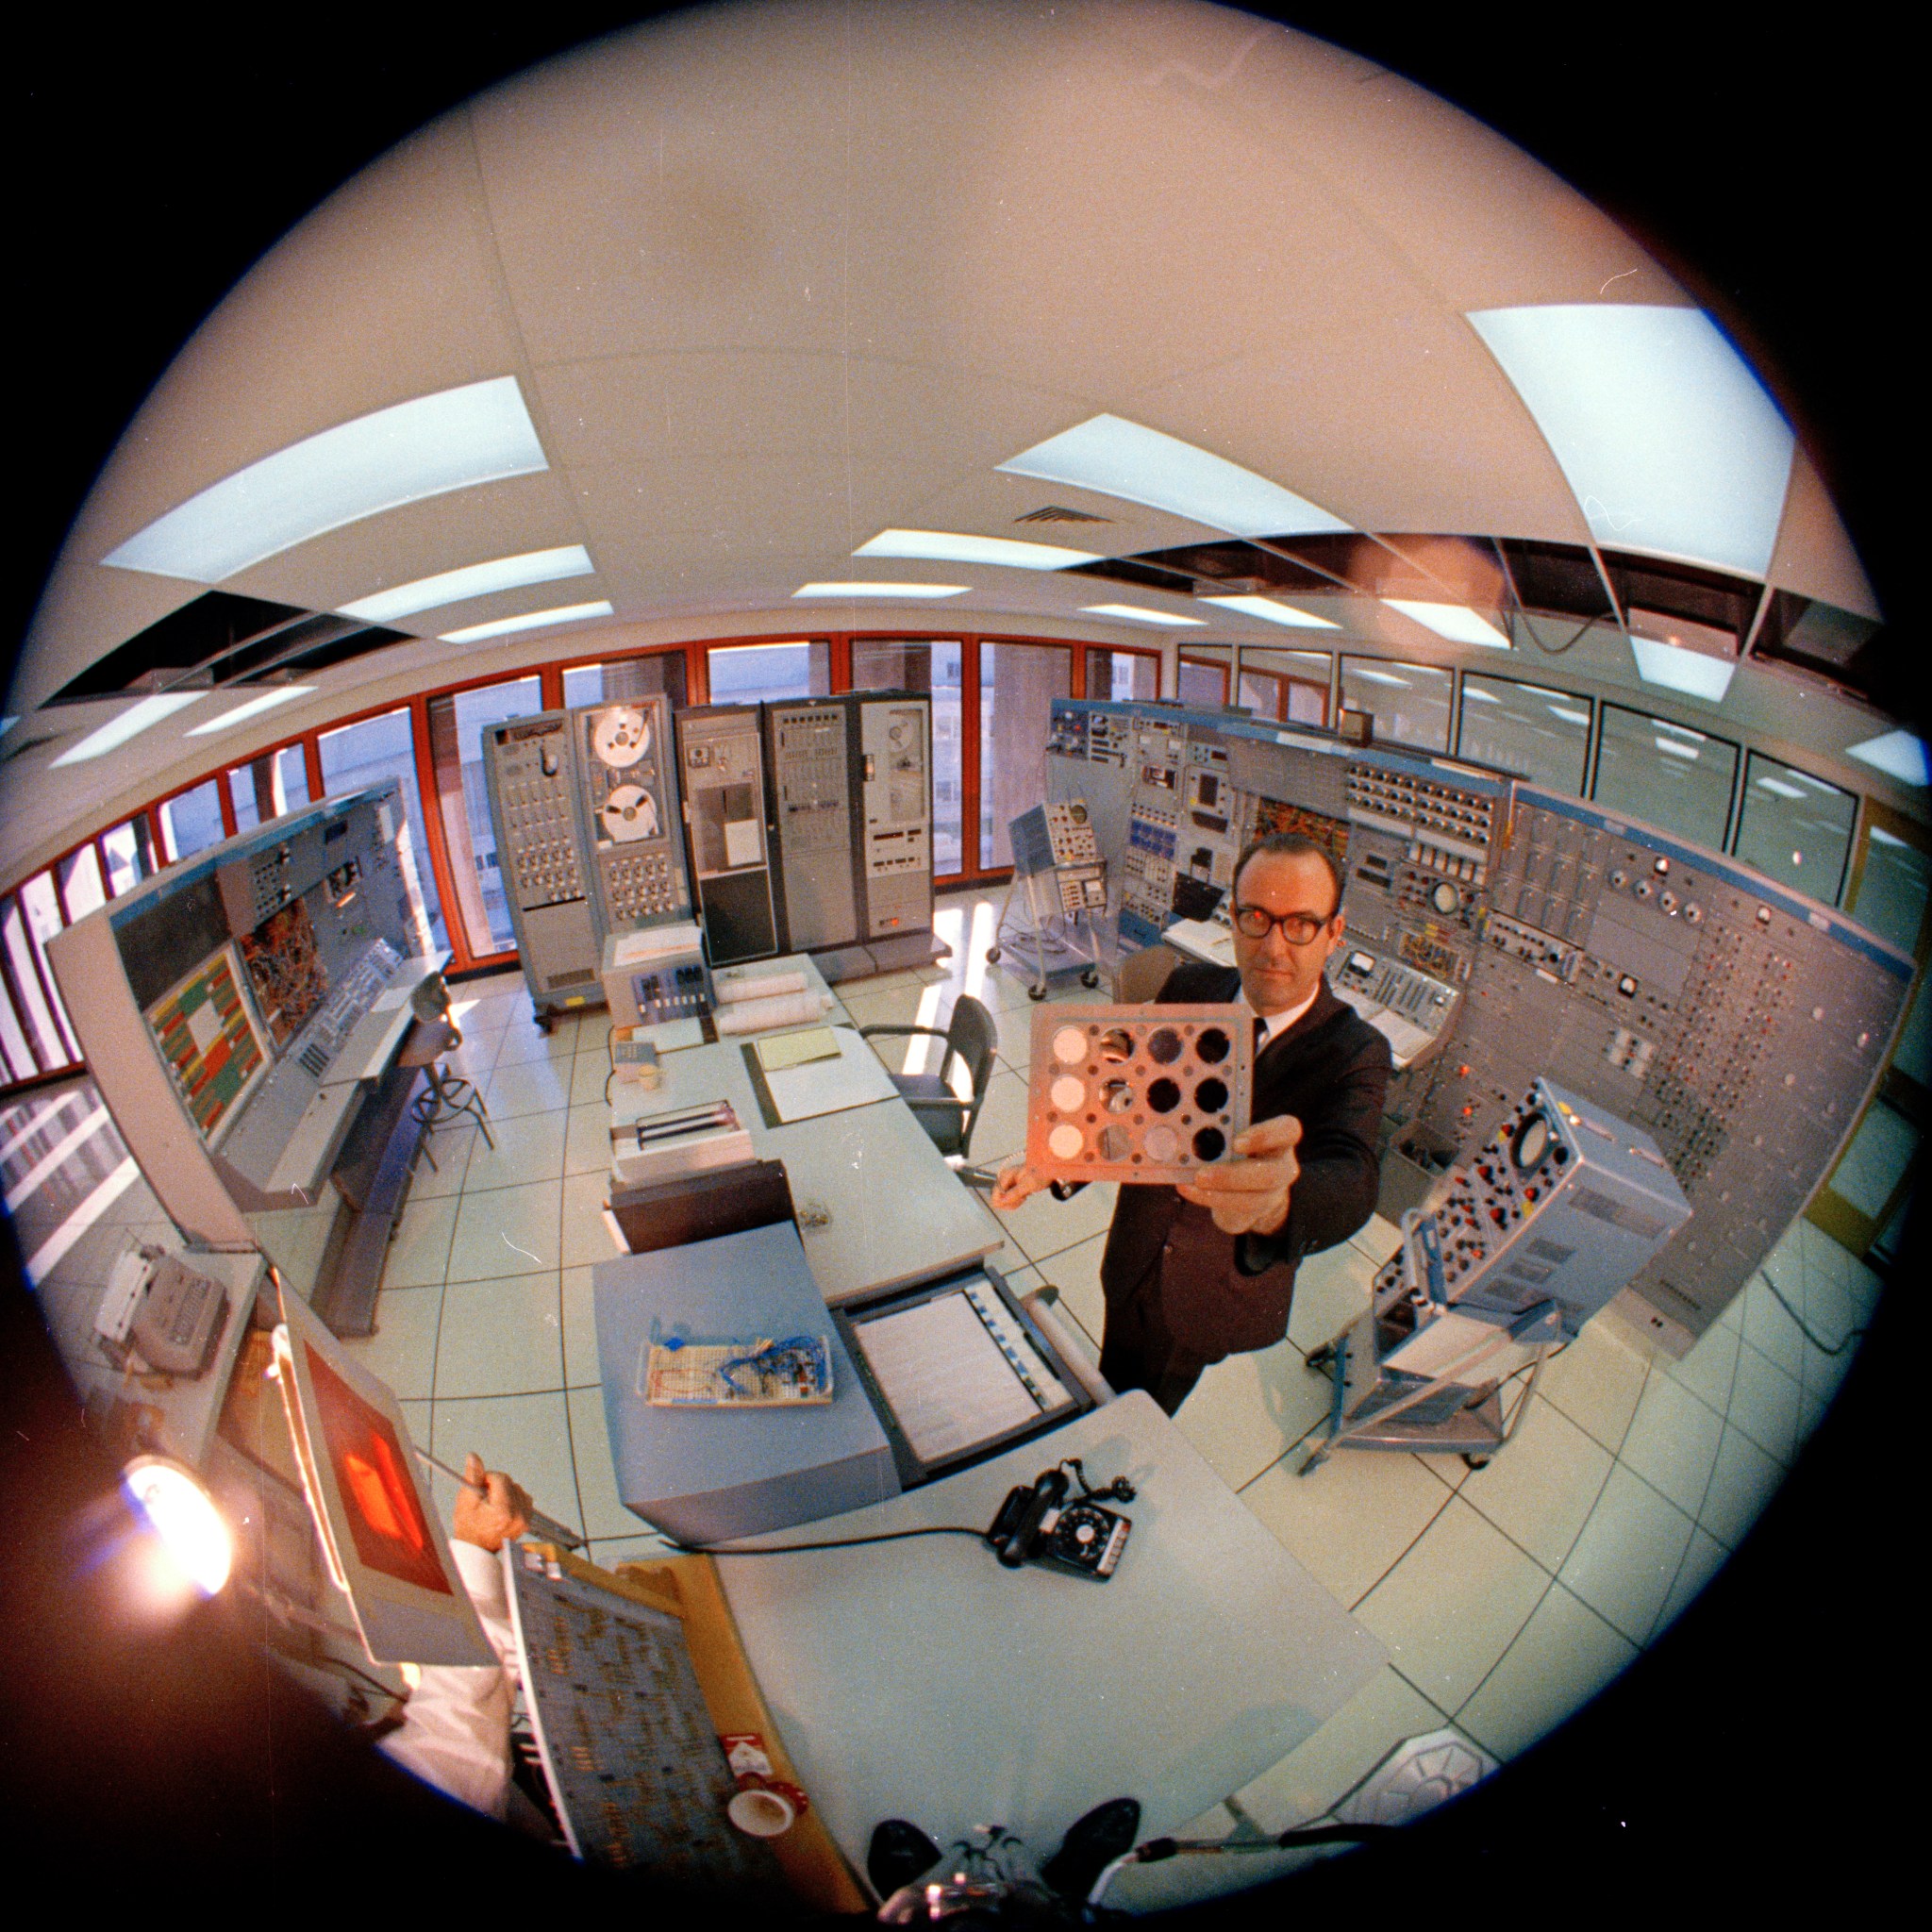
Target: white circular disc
1067, 1093
629, 812
1070, 1046
622, 736
1161, 1144
1065, 1142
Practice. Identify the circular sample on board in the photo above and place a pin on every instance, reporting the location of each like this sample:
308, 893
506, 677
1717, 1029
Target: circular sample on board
1164, 1046
1162, 1143
1210, 1096
1065, 1142
1117, 1096
1067, 1093
1115, 1143
1163, 1096
622, 736
1070, 1046
1212, 1045
629, 812
1211, 1144
1117, 1044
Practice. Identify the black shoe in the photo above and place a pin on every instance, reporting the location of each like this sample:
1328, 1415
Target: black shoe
1091, 1844
898, 1854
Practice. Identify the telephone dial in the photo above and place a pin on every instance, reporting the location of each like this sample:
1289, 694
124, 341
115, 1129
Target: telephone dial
1040, 1525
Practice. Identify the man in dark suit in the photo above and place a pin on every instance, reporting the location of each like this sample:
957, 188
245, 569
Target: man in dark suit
1195, 1273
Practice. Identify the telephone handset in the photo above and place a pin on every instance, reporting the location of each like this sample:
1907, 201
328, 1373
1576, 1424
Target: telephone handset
1039, 1526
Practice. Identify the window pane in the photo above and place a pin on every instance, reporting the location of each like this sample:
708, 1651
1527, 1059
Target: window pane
1537, 733
49, 1048
626, 679
191, 821
1202, 681
1410, 702
1263, 693
1121, 676
266, 787
748, 674
81, 890
17, 1054
1893, 887
366, 754
44, 921
1665, 774
456, 749
1287, 685
929, 665
130, 854
1018, 684
1795, 829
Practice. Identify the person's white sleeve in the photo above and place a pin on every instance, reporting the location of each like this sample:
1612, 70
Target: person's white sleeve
455, 1732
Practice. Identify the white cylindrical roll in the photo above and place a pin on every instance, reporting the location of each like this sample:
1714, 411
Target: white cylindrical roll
787, 1009
757, 986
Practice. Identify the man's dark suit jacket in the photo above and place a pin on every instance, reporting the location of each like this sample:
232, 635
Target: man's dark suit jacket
1220, 1294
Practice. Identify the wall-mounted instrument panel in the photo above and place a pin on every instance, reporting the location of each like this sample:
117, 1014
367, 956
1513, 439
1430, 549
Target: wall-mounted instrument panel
1497, 933
896, 794
628, 786
808, 761
723, 767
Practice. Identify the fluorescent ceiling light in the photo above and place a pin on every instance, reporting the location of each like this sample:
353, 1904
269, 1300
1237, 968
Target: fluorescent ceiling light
1682, 731
1268, 608
1881, 836
945, 546
253, 709
1669, 442
1472, 694
136, 719
1378, 676
1677, 748
1116, 457
1675, 669
1778, 787
1898, 754
1133, 613
1568, 716
1455, 621
564, 613
472, 580
476, 434
832, 590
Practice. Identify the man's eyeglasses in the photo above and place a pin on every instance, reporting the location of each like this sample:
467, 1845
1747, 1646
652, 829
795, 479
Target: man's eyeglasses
1297, 928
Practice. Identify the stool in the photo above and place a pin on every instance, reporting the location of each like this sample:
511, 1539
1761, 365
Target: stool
434, 1036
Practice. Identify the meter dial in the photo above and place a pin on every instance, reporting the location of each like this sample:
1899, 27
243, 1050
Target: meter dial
1531, 1144
1445, 898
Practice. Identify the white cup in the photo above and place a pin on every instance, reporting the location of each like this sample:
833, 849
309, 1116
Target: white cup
761, 1814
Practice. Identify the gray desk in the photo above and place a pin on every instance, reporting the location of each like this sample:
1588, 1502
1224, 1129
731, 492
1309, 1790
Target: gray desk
920, 1680
894, 1211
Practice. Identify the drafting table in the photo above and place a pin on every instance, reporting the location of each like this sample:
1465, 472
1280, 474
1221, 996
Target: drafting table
921, 1680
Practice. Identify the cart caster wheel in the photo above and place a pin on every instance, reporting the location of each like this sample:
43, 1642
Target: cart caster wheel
992, 956
1476, 1461
1090, 977
1321, 1358
1036, 993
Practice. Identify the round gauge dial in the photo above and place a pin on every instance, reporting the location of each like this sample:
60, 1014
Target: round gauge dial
1445, 898
1531, 1144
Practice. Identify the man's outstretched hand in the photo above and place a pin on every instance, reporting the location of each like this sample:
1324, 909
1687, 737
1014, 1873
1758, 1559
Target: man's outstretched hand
499, 1515
1250, 1194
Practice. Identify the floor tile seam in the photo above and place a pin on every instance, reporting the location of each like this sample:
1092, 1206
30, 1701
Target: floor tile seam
1576, 1536
569, 1436
1406, 1551
1616, 1448
1456, 1717
1658, 1622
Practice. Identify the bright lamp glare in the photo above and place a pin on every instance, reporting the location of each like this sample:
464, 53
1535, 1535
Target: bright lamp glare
130, 723
1457, 623
1272, 612
476, 434
1116, 457
530, 620
1669, 442
947, 546
253, 709
472, 580
1898, 754
179, 1512
1677, 669
1134, 613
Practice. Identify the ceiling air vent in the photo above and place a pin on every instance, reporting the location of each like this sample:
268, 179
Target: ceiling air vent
1060, 513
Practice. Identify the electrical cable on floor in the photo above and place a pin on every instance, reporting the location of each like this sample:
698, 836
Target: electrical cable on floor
1850, 1335
890, 1536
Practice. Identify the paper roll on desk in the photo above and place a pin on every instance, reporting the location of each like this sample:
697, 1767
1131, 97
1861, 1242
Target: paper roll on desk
729, 988
780, 1009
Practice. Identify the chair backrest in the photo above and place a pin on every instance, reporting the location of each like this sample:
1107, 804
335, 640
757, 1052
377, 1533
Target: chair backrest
971, 1034
1141, 975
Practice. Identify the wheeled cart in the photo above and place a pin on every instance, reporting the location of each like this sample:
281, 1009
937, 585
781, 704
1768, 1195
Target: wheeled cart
1058, 865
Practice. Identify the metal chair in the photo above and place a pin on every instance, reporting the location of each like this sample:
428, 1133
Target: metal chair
946, 1117
435, 1036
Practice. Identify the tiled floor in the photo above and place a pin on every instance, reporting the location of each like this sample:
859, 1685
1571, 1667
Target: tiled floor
1506, 1597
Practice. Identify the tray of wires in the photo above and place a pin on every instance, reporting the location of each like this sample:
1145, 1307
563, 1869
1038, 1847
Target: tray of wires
742, 1372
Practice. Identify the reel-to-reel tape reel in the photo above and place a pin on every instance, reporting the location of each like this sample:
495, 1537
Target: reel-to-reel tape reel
631, 806
1137, 1093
